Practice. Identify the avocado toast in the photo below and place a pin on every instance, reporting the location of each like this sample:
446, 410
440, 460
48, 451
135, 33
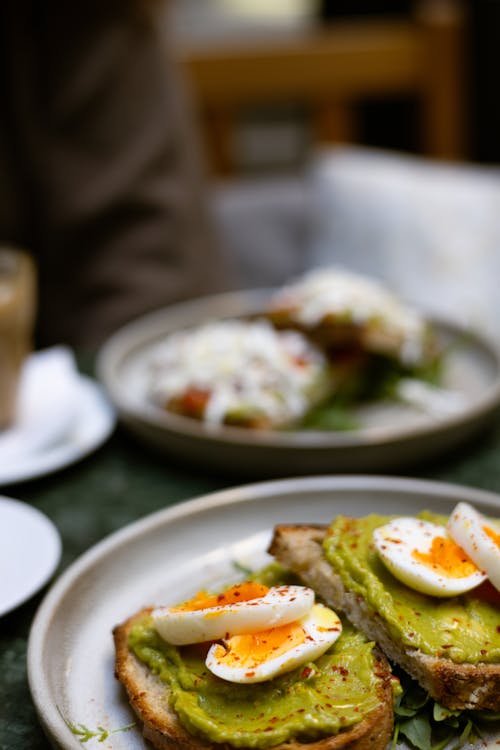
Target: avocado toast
344, 698
451, 647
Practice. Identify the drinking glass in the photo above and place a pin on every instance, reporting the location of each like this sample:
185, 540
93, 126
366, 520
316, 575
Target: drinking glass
17, 317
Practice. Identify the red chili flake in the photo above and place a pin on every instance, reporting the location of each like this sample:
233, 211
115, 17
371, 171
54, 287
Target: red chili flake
483, 652
447, 645
344, 671
306, 672
411, 635
249, 674
498, 628
300, 710
301, 361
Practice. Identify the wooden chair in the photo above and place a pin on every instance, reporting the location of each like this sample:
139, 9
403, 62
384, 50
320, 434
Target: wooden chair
329, 70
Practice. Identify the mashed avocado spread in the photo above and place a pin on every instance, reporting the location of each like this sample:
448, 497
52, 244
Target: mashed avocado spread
315, 700
462, 628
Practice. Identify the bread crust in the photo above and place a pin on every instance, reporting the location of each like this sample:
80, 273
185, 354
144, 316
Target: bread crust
456, 686
148, 697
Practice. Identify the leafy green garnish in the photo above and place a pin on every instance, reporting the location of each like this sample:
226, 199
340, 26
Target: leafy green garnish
375, 379
331, 416
427, 725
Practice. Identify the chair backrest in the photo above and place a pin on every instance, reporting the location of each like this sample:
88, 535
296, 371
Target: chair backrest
429, 229
329, 70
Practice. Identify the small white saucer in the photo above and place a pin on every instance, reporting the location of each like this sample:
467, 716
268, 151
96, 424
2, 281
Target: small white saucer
62, 417
30, 549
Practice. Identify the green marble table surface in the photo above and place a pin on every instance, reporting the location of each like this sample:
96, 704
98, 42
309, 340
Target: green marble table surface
119, 483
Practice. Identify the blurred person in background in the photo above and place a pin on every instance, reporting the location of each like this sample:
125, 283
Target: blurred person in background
99, 165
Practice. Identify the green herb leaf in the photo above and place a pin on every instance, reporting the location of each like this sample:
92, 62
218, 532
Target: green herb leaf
441, 713
418, 731
84, 734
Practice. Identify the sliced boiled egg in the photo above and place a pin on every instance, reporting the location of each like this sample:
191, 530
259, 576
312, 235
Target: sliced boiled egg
423, 556
479, 538
244, 608
256, 657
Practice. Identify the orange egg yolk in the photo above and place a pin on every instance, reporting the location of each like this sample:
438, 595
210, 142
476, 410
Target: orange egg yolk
446, 558
248, 651
493, 535
241, 592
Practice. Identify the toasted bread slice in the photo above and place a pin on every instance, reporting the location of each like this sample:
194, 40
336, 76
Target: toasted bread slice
149, 699
456, 686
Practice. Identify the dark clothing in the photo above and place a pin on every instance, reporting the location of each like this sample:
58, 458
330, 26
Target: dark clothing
99, 165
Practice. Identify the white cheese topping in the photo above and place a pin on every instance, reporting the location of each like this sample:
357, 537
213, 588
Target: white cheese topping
243, 366
360, 300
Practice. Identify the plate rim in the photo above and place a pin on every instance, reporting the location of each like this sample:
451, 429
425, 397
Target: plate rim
50, 719
123, 341
54, 537
69, 452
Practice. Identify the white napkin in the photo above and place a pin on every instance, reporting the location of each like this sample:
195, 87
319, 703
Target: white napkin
47, 404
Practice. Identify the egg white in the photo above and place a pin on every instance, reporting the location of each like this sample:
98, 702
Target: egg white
467, 527
281, 605
395, 543
321, 626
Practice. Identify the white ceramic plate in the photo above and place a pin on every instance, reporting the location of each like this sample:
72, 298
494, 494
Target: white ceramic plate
392, 435
93, 419
167, 557
30, 549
